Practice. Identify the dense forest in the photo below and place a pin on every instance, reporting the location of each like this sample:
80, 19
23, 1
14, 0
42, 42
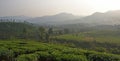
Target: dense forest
24, 41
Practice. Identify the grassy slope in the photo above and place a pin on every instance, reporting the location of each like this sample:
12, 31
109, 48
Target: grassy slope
99, 36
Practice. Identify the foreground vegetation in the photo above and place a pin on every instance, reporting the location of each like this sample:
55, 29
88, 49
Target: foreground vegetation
98, 36
102, 41
56, 44
37, 51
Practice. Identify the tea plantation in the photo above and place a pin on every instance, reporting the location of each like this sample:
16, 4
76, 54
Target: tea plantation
26, 50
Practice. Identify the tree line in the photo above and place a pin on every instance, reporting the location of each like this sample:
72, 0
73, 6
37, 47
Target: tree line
25, 30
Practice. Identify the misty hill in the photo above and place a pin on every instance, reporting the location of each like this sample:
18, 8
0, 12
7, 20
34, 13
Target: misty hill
54, 19
107, 18
16, 18
97, 18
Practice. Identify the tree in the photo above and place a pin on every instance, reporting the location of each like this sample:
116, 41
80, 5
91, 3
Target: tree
50, 31
66, 31
41, 33
24, 33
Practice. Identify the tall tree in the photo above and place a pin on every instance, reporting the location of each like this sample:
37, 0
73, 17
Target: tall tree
41, 32
50, 31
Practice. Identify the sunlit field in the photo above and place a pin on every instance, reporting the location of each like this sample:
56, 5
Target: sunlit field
98, 36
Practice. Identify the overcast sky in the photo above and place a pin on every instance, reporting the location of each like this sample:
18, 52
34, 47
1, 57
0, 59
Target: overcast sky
50, 7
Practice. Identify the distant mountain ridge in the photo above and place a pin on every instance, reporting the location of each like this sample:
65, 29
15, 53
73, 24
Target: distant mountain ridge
107, 18
97, 18
54, 19
17, 18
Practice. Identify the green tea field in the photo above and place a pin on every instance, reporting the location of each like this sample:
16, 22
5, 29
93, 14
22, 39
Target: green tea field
22, 50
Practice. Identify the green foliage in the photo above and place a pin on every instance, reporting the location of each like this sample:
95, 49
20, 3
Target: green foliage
22, 30
99, 36
102, 57
10, 30
101, 41
6, 54
12, 49
28, 57
37, 51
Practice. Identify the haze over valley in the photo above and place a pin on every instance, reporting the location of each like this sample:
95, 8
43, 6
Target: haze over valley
97, 18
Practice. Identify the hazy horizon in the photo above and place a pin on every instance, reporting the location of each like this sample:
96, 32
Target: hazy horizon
36, 8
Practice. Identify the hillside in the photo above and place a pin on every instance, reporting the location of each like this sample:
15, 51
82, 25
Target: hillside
64, 41
97, 18
107, 18
57, 19
16, 18
9, 30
